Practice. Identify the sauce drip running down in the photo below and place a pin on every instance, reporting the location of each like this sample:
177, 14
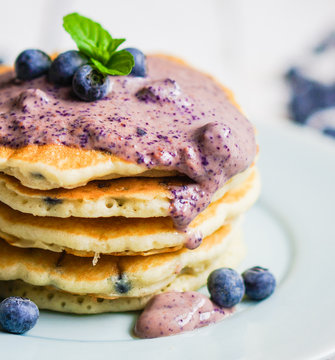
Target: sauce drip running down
173, 312
175, 119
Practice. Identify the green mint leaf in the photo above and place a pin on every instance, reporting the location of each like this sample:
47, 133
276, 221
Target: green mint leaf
120, 63
115, 44
91, 38
122, 60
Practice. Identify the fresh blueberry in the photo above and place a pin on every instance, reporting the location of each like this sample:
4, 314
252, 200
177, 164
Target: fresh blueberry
89, 84
226, 287
65, 65
31, 64
139, 68
259, 283
18, 315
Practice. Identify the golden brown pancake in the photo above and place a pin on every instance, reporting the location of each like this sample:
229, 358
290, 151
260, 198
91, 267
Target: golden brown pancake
52, 166
125, 236
112, 276
128, 197
47, 297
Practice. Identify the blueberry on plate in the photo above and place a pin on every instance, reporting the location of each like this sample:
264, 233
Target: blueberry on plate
139, 68
31, 64
226, 287
18, 315
89, 84
259, 283
65, 65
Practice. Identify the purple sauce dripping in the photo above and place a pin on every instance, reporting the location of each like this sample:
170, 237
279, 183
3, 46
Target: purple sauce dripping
175, 119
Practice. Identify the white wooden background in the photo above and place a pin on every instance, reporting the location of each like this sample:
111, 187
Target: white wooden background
246, 43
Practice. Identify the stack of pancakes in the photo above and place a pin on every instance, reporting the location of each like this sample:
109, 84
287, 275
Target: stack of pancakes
85, 231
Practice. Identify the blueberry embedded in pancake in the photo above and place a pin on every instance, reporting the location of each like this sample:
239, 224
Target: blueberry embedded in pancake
128, 197
185, 270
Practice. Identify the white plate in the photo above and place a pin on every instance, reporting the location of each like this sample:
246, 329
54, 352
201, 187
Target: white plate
290, 230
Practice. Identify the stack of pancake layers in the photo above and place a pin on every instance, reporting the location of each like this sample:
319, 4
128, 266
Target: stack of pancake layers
105, 204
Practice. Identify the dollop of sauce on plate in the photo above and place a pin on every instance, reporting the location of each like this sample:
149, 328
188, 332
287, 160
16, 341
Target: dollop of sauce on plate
171, 313
176, 118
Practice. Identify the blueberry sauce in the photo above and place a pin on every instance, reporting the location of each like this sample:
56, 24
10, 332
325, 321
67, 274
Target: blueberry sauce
175, 118
171, 313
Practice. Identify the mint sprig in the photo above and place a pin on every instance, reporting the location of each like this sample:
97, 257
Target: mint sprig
98, 45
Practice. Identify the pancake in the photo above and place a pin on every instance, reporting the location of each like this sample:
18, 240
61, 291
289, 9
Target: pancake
125, 236
134, 276
127, 197
89, 188
56, 141
52, 299
52, 166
